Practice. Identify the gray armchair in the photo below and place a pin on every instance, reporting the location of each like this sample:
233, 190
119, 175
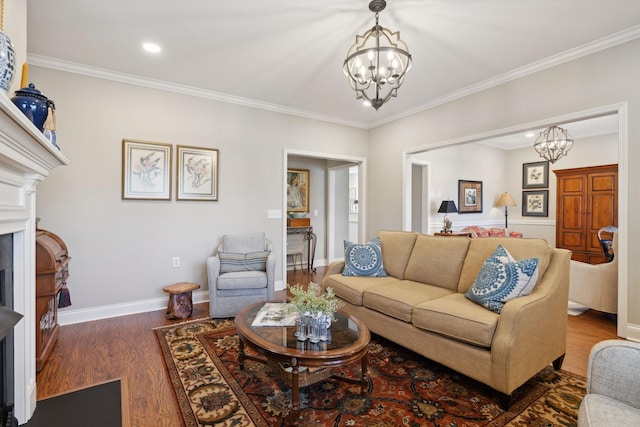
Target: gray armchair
241, 273
613, 385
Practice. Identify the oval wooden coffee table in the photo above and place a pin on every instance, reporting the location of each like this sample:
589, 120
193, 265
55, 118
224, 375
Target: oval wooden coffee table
301, 363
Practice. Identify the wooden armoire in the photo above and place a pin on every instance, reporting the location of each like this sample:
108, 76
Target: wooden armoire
586, 201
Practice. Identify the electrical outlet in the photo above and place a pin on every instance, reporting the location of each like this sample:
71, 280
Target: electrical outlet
176, 261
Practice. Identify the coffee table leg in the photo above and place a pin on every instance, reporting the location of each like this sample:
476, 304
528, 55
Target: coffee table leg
241, 354
294, 416
364, 383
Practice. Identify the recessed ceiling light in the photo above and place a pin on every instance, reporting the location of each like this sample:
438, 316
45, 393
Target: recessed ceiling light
151, 47
530, 135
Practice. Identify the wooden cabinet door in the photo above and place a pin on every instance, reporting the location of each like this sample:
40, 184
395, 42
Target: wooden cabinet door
571, 212
586, 201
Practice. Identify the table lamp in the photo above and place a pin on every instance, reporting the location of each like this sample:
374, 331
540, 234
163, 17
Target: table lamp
446, 207
506, 200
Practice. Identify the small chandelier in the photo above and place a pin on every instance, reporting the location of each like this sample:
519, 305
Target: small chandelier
377, 62
553, 143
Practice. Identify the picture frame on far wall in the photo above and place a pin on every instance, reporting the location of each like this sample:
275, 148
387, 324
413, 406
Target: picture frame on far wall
535, 175
298, 190
469, 196
146, 170
197, 177
535, 203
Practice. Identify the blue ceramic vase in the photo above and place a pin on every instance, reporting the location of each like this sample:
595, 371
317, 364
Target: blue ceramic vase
7, 62
33, 104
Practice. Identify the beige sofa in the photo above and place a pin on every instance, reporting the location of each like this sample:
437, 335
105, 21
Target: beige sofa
421, 306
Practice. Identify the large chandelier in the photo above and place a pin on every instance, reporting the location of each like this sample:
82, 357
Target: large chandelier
377, 62
553, 143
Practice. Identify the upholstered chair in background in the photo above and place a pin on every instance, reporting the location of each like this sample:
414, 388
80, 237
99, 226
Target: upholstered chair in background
596, 285
613, 386
241, 273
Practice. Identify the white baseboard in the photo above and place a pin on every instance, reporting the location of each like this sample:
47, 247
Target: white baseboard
69, 316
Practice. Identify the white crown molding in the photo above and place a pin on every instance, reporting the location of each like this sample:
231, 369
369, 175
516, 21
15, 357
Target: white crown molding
552, 61
103, 73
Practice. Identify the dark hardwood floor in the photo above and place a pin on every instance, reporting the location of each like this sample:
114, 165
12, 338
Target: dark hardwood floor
124, 347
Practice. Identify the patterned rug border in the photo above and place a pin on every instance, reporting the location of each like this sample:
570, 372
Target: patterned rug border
182, 400
537, 391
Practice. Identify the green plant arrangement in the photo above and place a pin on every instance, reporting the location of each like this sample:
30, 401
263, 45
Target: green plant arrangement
312, 299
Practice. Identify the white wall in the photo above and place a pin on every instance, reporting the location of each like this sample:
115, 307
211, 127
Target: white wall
471, 162
505, 174
607, 78
122, 250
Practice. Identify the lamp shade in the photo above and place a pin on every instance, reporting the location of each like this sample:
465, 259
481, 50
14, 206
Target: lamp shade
506, 200
447, 206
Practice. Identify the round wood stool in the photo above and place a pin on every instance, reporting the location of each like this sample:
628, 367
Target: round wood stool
180, 304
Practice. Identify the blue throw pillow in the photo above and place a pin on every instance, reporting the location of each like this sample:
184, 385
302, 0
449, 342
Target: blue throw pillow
502, 279
363, 260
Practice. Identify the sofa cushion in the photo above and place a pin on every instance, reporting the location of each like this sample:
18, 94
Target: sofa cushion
456, 317
251, 261
397, 299
481, 249
477, 231
437, 261
351, 288
396, 250
499, 281
363, 260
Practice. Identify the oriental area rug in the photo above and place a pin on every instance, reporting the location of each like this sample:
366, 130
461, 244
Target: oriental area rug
405, 389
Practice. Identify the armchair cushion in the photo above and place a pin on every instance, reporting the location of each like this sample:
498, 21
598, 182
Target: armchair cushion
613, 386
252, 261
242, 280
243, 243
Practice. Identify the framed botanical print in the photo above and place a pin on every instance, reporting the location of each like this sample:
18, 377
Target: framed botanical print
146, 170
197, 173
469, 196
535, 175
535, 203
297, 190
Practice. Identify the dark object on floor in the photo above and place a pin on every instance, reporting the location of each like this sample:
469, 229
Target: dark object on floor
180, 305
96, 406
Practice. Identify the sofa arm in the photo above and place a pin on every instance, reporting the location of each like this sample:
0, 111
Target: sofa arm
532, 329
335, 267
614, 371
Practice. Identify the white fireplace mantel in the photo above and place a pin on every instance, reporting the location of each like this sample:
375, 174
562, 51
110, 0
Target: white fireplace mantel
26, 158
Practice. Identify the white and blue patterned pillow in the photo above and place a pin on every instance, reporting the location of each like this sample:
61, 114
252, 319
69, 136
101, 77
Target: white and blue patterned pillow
501, 279
363, 260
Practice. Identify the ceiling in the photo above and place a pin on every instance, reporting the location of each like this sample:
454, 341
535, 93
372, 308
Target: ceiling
286, 55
